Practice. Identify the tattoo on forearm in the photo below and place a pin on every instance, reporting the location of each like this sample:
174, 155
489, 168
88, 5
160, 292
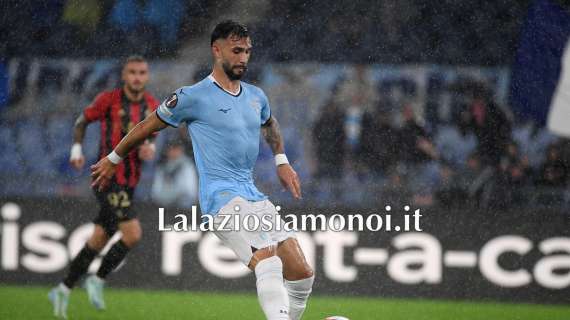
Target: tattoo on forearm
272, 135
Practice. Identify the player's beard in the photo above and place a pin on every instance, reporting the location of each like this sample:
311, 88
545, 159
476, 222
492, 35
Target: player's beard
229, 70
135, 90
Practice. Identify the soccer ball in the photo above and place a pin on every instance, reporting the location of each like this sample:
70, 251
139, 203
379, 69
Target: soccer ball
336, 318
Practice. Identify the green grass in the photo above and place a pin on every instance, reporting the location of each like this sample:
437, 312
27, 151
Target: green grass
32, 303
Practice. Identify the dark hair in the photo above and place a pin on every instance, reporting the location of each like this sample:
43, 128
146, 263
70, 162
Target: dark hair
227, 28
133, 58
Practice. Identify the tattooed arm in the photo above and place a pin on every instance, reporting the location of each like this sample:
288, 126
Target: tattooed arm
272, 134
287, 175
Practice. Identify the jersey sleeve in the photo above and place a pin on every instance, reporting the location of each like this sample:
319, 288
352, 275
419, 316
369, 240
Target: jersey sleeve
97, 109
265, 109
175, 109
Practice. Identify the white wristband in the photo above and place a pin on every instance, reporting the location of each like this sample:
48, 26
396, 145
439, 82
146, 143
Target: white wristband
76, 152
114, 157
280, 159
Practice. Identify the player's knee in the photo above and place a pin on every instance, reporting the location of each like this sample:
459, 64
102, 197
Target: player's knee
96, 244
132, 237
98, 239
300, 273
306, 272
132, 232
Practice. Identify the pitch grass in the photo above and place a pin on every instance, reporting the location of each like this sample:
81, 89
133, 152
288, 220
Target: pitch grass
32, 303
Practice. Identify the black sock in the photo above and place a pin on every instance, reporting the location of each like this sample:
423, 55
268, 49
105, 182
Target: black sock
79, 266
112, 259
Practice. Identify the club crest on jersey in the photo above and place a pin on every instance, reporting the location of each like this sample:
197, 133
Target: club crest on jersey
171, 101
256, 105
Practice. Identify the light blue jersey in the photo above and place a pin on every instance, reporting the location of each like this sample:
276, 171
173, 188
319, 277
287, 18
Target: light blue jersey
225, 130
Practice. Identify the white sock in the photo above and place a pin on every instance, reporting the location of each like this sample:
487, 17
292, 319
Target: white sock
271, 290
64, 289
299, 291
100, 280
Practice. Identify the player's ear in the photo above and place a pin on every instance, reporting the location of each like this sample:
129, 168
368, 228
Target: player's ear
216, 50
124, 74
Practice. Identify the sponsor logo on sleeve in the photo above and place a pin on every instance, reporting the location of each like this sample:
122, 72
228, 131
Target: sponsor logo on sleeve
171, 101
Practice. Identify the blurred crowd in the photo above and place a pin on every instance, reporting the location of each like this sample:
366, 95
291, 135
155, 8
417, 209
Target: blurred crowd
390, 31
99, 28
482, 158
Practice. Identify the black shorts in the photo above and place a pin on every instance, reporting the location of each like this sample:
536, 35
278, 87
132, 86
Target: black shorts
115, 206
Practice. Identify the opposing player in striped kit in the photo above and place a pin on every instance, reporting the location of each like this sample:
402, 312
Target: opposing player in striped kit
117, 111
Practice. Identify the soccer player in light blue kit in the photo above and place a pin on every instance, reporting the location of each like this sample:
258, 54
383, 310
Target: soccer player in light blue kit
225, 119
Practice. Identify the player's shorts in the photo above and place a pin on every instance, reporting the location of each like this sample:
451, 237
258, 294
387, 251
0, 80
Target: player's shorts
243, 242
115, 206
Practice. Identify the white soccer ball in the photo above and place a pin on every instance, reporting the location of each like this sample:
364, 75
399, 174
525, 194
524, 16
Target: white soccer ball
336, 318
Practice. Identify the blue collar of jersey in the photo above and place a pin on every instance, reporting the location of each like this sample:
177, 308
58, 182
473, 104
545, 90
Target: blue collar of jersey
211, 77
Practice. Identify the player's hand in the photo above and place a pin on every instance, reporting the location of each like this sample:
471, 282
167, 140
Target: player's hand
77, 163
147, 151
102, 173
289, 179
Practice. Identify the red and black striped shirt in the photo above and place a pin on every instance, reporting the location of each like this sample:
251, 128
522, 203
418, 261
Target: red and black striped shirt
118, 116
